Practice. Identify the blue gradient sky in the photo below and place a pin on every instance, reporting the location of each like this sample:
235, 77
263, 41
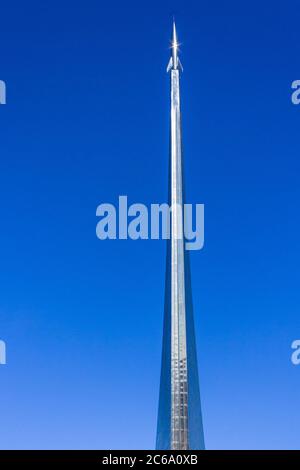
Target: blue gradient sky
87, 120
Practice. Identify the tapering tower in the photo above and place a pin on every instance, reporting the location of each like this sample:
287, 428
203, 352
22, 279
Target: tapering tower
179, 416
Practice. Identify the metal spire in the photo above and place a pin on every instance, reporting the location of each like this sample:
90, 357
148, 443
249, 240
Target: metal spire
179, 423
174, 62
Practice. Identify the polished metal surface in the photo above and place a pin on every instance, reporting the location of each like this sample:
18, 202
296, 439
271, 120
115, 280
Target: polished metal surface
179, 417
179, 424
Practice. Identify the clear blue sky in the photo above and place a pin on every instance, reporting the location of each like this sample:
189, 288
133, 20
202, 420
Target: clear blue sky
87, 120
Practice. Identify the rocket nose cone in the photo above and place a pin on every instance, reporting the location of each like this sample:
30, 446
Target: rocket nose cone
174, 39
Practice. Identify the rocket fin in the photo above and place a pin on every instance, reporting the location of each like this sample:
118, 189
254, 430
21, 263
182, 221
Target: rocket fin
170, 64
